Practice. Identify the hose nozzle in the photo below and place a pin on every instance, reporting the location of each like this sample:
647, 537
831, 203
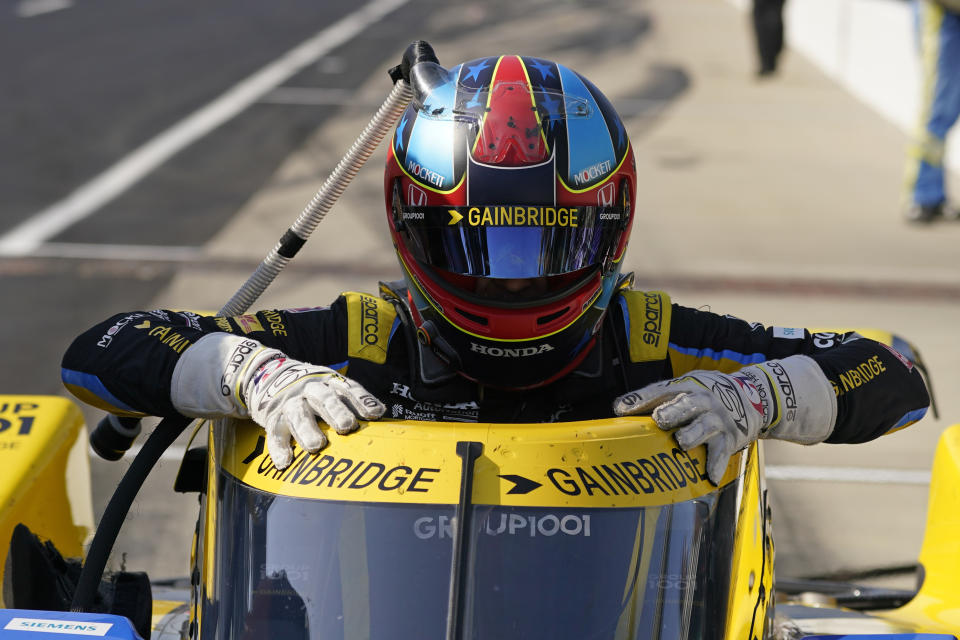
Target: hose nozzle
421, 68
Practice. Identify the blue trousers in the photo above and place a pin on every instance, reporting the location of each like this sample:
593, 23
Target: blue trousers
939, 105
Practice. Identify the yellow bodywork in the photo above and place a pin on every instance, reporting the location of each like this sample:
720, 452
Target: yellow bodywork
751, 573
46, 476
936, 608
615, 463
620, 462
168, 618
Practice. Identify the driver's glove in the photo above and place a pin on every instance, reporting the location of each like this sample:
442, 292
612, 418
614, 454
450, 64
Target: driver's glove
225, 375
789, 399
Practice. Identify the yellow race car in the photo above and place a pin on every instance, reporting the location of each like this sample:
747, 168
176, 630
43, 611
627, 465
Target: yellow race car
417, 530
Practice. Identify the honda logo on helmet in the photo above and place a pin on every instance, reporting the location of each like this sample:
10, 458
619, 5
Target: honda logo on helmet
416, 196
521, 352
606, 194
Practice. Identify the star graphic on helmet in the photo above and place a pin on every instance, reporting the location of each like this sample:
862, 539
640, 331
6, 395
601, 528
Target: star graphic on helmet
544, 69
553, 106
475, 70
400, 128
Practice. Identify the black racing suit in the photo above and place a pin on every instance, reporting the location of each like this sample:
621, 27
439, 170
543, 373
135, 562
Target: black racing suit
125, 363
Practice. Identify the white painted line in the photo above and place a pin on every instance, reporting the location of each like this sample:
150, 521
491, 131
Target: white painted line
27, 236
311, 96
125, 252
848, 474
31, 8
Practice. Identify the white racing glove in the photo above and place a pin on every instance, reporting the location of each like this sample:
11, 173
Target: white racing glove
789, 399
225, 375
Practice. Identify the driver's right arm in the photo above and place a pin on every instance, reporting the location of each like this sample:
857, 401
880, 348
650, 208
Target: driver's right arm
165, 362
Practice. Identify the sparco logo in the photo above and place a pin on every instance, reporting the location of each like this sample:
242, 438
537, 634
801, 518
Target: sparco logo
786, 388
652, 319
236, 359
369, 320
521, 352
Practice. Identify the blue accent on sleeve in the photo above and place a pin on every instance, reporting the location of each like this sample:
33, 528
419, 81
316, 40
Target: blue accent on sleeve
93, 384
337, 366
712, 354
626, 313
909, 418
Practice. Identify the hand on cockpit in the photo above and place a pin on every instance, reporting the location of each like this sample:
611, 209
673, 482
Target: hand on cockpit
286, 396
226, 375
789, 399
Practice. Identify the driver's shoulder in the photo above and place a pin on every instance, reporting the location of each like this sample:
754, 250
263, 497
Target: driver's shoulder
645, 318
371, 323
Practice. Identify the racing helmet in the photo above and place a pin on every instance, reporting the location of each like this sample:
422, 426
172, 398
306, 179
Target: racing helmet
509, 183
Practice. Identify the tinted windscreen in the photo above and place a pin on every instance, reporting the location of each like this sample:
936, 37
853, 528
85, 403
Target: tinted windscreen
658, 572
300, 568
293, 568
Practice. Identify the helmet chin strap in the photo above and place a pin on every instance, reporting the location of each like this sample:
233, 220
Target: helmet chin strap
430, 367
429, 336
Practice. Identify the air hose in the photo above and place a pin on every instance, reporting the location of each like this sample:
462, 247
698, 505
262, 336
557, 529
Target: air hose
417, 74
169, 429
113, 436
334, 186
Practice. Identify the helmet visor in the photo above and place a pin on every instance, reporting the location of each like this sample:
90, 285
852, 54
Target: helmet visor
522, 241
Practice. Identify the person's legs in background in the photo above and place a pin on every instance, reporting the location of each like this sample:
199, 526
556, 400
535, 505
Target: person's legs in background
939, 109
768, 30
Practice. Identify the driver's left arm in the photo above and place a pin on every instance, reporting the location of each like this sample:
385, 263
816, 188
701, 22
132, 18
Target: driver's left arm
734, 382
878, 389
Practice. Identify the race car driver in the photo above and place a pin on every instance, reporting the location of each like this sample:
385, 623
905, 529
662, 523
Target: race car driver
509, 191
